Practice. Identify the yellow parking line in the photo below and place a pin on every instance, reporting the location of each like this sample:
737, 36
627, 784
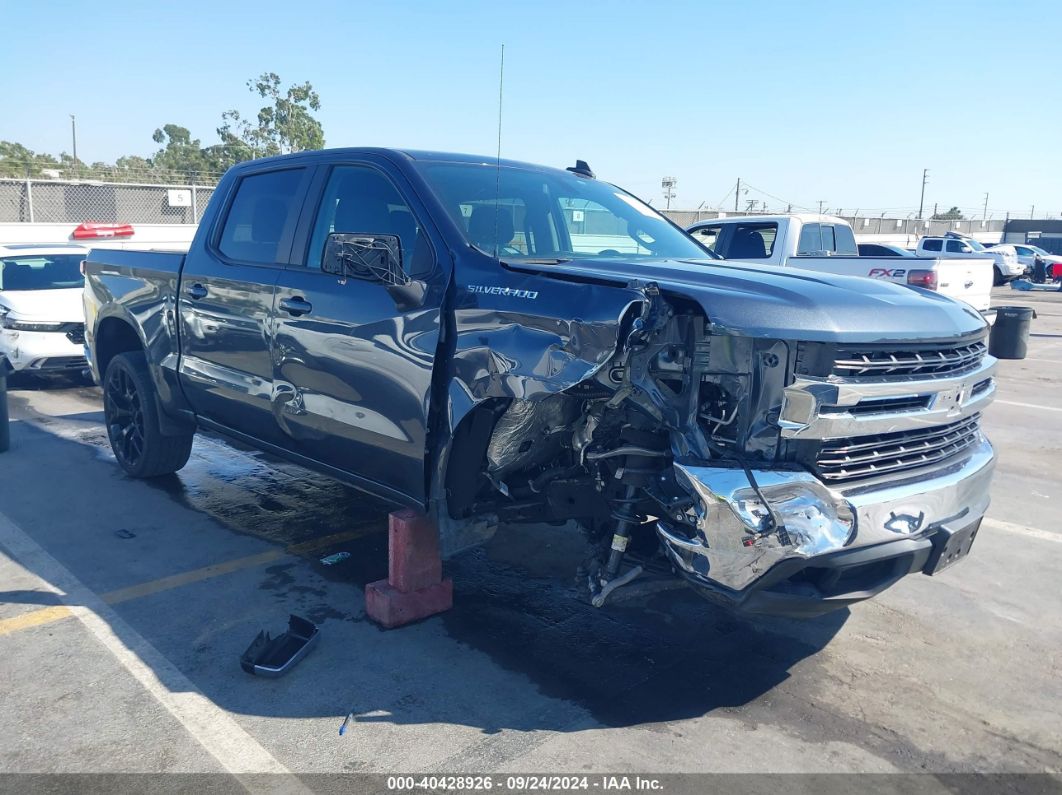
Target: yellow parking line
45, 615
49, 614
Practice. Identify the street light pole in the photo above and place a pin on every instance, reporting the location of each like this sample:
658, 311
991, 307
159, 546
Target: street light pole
922, 201
73, 134
984, 215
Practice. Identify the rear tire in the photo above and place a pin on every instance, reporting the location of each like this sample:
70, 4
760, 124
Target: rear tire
132, 417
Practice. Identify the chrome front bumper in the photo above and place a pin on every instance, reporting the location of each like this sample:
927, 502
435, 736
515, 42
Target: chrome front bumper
730, 552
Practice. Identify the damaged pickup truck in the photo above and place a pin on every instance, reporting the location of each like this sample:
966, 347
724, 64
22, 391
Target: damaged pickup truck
495, 342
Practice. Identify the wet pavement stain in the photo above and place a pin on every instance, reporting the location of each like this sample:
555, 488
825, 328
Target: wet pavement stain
665, 657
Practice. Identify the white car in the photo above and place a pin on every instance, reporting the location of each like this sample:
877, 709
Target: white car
1027, 254
1005, 265
42, 320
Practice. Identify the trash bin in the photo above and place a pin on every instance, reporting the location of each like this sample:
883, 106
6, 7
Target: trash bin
1010, 333
5, 433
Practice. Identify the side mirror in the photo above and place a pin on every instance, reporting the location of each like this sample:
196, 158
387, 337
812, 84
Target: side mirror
372, 257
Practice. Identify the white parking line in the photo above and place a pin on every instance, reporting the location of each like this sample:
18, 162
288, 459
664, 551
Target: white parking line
1029, 405
1031, 532
213, 728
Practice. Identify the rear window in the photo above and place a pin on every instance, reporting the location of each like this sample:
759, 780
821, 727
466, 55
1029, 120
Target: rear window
262, 209
810, 240
931, 245
845, 241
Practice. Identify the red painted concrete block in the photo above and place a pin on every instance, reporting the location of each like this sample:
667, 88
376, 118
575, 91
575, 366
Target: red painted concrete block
415, 588
413, 551
391, 608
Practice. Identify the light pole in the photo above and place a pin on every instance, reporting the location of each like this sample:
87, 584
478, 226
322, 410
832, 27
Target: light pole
668, 184
73, 135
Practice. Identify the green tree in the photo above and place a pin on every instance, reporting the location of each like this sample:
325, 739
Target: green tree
951, 215
283, 126
180, 153
18, 161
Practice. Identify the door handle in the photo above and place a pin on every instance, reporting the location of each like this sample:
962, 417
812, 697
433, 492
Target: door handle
296, 306
196, 291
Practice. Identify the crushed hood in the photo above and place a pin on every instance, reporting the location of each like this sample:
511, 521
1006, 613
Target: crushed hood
788, 303
58, 306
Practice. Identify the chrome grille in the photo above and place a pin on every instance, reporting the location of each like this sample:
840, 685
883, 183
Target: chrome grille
846, 460
890, 364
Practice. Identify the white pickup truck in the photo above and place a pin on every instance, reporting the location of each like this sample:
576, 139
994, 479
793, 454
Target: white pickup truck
827, 244
1005, 264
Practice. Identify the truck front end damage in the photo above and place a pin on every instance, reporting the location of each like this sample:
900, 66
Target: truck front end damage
784, 476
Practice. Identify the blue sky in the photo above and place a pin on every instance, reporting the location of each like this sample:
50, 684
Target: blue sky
844, 102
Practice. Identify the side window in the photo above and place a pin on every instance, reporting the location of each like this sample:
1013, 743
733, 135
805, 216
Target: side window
958, 247
752, 241
708, 236
1023, 252
846, 242
931, 245
263, 208
361, 199
810, 240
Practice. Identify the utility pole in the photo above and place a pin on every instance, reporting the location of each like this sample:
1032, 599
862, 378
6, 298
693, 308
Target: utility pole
668, 184
821, 202
1032, 212
73, 134
737, 194
922, 201
984, 215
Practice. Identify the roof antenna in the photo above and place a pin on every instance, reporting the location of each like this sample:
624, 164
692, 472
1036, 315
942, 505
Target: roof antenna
497, 179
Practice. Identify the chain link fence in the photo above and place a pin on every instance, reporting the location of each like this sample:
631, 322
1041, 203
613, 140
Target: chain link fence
75, 202
864, 225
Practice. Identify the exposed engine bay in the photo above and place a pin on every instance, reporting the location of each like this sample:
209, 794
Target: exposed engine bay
602, 452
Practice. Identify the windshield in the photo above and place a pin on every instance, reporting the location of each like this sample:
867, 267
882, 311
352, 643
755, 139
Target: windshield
543, 215
41, 272
974, 245
1038, 250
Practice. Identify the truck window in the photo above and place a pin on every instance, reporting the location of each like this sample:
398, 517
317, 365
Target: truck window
810, 240
361, 199
931, 245
520, 212
263, 207
958, 247
752, 241
829, 242
845, 241
708, 236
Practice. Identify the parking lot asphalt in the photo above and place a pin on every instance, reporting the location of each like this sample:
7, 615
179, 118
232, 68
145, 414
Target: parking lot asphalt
124, 607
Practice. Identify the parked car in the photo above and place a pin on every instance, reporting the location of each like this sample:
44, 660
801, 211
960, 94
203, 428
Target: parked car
42, 321
827, 244
1005, 265
503, 342
1027, 254
883, 250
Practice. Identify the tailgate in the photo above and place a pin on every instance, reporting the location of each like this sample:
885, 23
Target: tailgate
966, 279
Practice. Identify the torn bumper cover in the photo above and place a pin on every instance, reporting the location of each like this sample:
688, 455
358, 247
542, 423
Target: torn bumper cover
837, 547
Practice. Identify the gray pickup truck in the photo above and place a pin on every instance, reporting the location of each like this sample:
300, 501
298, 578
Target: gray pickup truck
496, 342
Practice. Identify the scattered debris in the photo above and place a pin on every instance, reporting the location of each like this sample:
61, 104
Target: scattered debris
338, 557
274, 657
123, 533
346, 723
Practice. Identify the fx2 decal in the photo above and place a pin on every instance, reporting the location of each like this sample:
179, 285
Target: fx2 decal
887, 273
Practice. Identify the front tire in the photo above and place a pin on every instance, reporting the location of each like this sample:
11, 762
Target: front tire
131, 413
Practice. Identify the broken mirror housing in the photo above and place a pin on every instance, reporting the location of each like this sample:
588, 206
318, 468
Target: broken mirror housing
736, 542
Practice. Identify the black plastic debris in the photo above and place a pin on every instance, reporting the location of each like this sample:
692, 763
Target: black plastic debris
268, 656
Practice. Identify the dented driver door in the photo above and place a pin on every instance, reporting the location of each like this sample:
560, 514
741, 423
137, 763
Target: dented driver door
353, 357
